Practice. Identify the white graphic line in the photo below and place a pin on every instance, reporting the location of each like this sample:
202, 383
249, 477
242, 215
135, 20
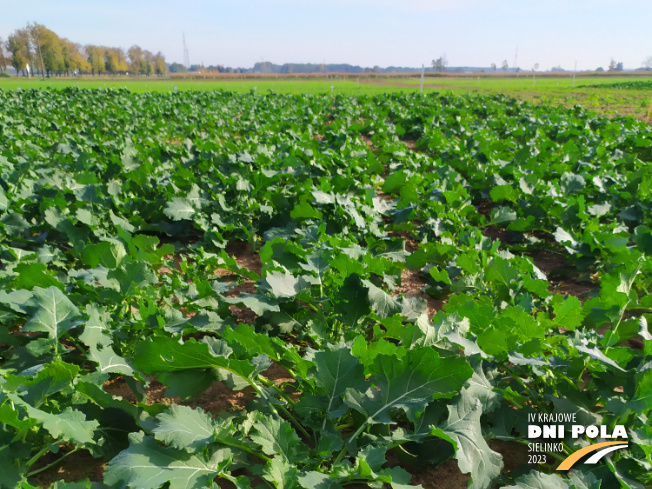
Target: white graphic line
595, 458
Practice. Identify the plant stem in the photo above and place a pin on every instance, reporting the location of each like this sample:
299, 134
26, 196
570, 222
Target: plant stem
615, 329
40, 453
245, 448
295, 422
38, 471
280, 391
273, 407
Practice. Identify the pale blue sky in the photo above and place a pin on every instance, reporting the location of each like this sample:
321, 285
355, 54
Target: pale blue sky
360, 32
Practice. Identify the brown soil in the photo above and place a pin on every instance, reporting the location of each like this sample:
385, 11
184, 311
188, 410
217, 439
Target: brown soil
383, 196
367, 140
444, 476
562, 276
495, 233
245, 257
176, 259
484, 207
215, 399
220, 398
411, 244
81, 465
118, 387
412, 284
243, 314
448, 475
411, 144
515, 455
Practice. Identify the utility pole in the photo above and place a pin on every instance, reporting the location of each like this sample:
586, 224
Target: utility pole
186, 56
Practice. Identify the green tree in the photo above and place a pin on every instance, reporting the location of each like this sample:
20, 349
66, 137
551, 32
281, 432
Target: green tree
135, 54
4, 59
95, 57
48, 48
160, 67
115, 60
73, 60
19, 47
147, 64
177, 68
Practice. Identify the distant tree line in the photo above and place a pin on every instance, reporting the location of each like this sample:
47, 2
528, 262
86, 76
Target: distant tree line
266, 67
48, 54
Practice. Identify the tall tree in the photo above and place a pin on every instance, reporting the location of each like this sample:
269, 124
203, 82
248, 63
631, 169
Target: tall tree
73, 59
115, 60
43, 50
95, 57
48, 48
160, 67
135, 59
4, 59
147, 65
19, 47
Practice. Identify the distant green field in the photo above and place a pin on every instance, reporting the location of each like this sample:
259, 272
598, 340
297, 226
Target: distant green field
521, 83
168, 85
526, 82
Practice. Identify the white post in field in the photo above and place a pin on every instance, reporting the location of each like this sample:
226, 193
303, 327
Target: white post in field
573, 84
423, 71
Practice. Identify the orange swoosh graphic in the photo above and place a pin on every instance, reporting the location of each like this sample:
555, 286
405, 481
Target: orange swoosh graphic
571, 459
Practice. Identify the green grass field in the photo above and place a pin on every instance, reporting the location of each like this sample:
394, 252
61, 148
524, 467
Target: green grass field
542, 90
168, 85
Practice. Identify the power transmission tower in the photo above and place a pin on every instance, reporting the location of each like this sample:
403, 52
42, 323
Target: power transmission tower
186, 56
